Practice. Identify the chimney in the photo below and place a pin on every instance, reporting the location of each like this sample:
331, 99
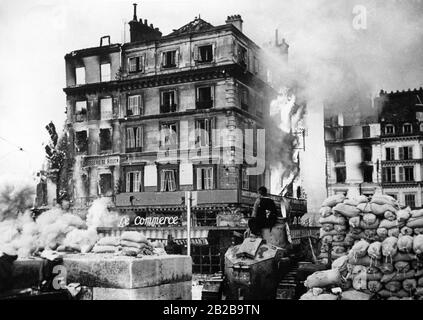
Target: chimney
236, 20
135, 12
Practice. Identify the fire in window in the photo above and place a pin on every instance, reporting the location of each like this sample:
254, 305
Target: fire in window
134, 105
341, 175
204, 97
105, 72
169, 59
106, 185
406, 174
134, 139
168, 180
136, 64
203, 129
80, 75
134, 181
205, 53
410, 200
106, 108
80, 111
168, 103
105, 139
388, 174
81, 141
205, 178
169, 135
406, 153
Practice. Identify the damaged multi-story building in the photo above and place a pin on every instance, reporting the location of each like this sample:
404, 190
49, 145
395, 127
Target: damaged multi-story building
160, 115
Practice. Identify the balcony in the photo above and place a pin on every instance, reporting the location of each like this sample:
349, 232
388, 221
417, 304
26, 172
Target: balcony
204, 104
168, 108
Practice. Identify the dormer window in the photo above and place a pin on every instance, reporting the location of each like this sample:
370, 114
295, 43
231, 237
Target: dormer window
389, 129
407, 128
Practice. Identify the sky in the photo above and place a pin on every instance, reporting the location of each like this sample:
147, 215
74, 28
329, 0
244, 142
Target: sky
328, 56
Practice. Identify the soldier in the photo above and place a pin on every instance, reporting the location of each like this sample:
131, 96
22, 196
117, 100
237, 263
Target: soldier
264, 213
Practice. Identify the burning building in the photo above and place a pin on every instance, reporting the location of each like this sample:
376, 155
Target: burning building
160, 115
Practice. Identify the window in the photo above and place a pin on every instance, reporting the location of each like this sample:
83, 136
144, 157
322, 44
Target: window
341, 175
80, 75
389, 129
203, 135
134, 181
134, 139
134, 105
388, 174
136, 64
410, 200
406, 153
169, 59
81, 141
390, 154
367, 154
105, 72
245, 180
106, 185
242, 55
407, 128
366, 131
205, 179
259, 106
168, 103
406, 174
339, 156
244, 96
106, 108
256, 65
169, 135
168, 182
205, 53
368, 174
419, 116
205, 97
105, 139
80, 111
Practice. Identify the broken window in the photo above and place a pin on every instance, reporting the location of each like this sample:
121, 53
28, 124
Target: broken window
169, 59
407, 128
80, 75
105, 139
406, 153
106, 108
205, 53
169, 135
368, 174
390, 154
168, 180
134, 181
203, 129
205, 178
366, 131
81, 141
388, 174
80, 111
204, 97
410, 200
136, 64
106, 185
105, 72
168, 103
341, 175
134, 105
406, 174
134, 139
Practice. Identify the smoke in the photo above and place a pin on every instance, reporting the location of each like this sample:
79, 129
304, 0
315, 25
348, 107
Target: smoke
100, 216
15, 199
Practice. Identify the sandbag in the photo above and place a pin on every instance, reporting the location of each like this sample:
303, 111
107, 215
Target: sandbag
419, 291
376, 276
415, 222
375, 250
132, 244
382, 232
405, 244
402, 266
339, 228
384, 293
389, 247
398, 276
324, 296
403, 215
406, 231
358, 237
394, 232
336, 250
388, 215
340, 264
364, 261
359, 281
130, 252
134, 236
327, 239
359, 249
325, 212
321, 279
404, 257
333, 200
418, 244
386, 224
374, 225
384, 199
354, 222
387, 268
380, 210
327, 227
333, 220
374, 286
108, 241
416, 213
329, 233
354, 295
351, 202
393, 286
105, 249
420, 282
369, 218
365, 207
418, 231
409, 284
370, 235
338, 238
346, 210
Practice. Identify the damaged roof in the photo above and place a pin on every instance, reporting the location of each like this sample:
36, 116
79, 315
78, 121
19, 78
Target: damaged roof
195, 25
